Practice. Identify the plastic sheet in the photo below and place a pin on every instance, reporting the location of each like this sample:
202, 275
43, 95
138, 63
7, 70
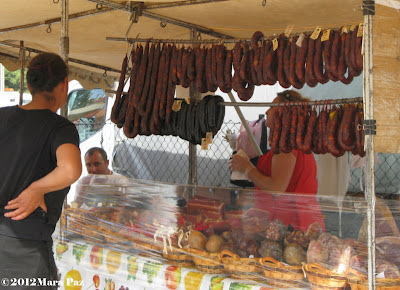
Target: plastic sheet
138, 234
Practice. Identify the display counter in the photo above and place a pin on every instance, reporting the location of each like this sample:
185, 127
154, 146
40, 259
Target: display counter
136, 234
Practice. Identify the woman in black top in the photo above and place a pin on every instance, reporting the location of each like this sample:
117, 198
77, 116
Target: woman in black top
40, 159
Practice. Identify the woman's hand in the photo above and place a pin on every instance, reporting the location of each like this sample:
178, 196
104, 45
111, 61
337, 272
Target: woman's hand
239, 163
26, 203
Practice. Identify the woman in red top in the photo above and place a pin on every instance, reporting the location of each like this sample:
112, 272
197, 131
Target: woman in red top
293, 172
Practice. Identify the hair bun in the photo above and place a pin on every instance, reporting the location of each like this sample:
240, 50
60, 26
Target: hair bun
36, 78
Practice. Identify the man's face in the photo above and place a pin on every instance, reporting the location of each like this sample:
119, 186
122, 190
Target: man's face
95, 164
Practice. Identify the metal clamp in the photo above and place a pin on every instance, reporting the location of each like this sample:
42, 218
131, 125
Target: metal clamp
370, 127
48, 29
136, 11
368, 7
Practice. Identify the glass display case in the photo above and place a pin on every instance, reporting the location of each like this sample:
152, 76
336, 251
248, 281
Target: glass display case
132, 234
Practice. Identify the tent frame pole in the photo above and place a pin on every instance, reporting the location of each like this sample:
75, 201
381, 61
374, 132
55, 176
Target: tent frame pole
22, 58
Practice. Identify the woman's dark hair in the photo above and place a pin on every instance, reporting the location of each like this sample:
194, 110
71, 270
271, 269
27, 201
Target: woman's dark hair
45, 72
291, 96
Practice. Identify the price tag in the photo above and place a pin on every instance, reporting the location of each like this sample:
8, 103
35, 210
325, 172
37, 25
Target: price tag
316, 33
288, 30
204, 144
176, 106
353, 27
275, 44
209, 137
325, 36
299, 41
360, 31
187, 99
345, 29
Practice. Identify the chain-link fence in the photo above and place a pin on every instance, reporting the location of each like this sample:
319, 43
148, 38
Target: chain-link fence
166, 158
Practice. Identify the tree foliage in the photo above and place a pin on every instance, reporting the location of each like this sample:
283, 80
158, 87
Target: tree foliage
12, 80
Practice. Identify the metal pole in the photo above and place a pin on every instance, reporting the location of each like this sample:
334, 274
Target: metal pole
369, 144
22, 75
245, 125
192, 147
64, 52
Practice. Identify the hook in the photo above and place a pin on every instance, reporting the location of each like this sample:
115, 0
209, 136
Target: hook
105, 74
163, 23
48, 30
264, 3
56, 1
28, 57
99, 6
199, 36
129, 29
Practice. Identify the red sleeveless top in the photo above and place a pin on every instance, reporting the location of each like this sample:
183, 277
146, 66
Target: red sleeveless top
300, 210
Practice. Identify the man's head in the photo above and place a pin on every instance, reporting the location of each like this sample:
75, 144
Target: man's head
96, 161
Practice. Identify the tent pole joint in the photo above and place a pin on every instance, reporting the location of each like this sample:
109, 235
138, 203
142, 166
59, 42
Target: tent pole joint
368, 7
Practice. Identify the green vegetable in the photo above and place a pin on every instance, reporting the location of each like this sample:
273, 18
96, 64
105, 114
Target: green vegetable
151, 270
78, 251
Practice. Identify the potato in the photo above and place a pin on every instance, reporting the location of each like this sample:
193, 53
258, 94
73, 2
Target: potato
197, 240
214, 244
294, 254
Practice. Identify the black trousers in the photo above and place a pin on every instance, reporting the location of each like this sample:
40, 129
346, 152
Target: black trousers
24, 262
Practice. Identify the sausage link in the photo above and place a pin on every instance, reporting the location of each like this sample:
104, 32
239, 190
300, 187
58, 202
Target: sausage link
309, 132
165, 78
323, 119
170, 92
292, 70
211, 87
301, 128
179, 64
118, 96
228, 72
316, 137
191, 67
342, 68
335, 53
253, 72
146, 88
284, 145
220, 66
140, 78
280, 73
185, 82
277, 132
270, 67
353, 49
309, 74
257, 36
301, 57
174, 60
286, 60
320, 75
332, 134
214, 52
200, 65
293, 127
327, 56
358, 55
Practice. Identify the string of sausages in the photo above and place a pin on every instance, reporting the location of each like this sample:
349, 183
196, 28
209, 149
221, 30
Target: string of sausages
334, 130
157, 69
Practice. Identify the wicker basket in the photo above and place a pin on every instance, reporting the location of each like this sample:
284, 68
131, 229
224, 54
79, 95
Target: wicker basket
281, 274
147, 247
359, 281
240, 268
322, 278
207, 262
179, 257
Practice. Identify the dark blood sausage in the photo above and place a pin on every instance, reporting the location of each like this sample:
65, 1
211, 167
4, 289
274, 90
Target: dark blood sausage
320, 75
157, 98
153, 84
174, 60
280, 73
327, 56
270, 67
211, 87
293, 127
301, 57
164, 89
185, 82
131, 128
140, 78
332, 134
200, 65
286, 59
292, 71
146, 88
244, 65
353, 57
335, 53
228, 72
301, 128
118, 96
128, 99
179, 64
284, 145
309, 132
342, 68
244, 90
277, 132
359, 57
191, 67
310, 76
170, 92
